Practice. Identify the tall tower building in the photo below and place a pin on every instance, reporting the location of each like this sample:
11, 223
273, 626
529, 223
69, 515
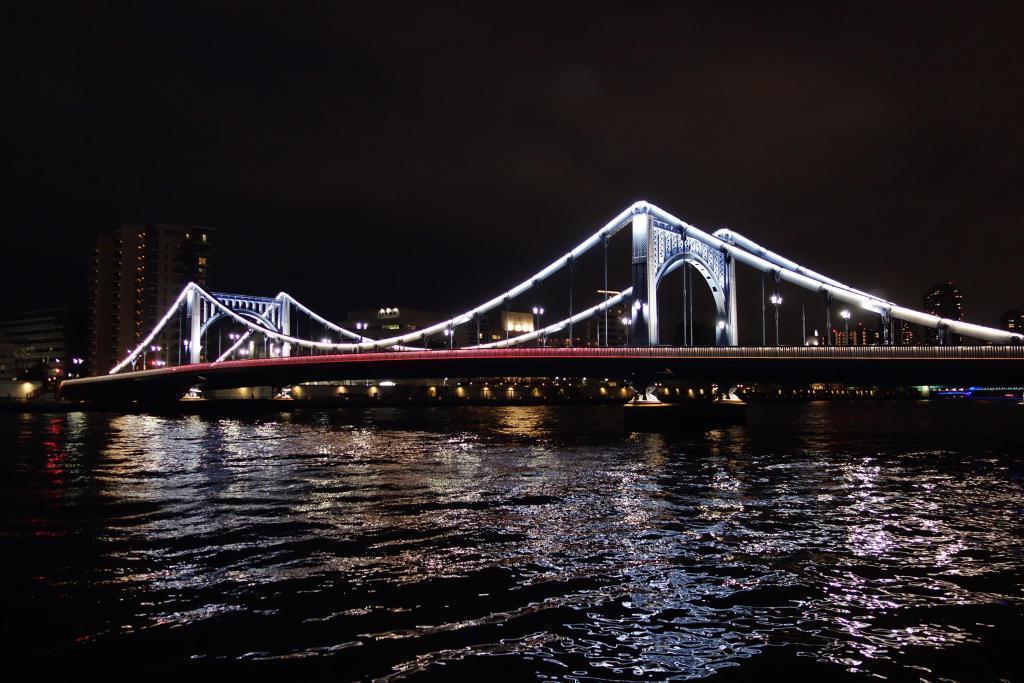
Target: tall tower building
1012, 320
137, 273
945, 301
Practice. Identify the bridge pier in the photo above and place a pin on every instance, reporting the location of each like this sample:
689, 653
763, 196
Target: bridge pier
648, 414
642, 325
286, 327
194, 304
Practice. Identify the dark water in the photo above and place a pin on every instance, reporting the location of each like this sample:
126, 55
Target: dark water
820, 540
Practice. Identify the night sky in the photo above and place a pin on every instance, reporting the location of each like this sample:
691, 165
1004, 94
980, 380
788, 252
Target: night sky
373, 154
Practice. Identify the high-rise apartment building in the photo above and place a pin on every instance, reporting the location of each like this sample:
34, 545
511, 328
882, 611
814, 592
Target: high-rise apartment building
138, 272
945, 301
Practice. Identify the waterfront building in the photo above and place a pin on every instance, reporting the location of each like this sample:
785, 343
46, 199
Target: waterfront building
44, 345
138, 271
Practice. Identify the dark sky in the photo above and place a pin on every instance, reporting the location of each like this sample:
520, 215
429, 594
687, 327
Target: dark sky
369, 154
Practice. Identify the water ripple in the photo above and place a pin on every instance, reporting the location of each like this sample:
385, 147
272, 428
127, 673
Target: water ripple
526, 542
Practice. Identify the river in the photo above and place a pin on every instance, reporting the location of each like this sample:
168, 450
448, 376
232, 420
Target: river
842, 540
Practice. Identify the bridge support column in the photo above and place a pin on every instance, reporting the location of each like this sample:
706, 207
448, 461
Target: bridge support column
194, 304
730, 335
286, 327
644, 312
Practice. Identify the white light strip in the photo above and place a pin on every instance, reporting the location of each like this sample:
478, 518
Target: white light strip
272, 334
152, 335
559, 326
840, 292
733, 237
607, 231
243, 338
738, 247
285, 296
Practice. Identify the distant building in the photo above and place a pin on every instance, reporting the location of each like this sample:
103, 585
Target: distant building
496, 325
906, 335
7, 366
138, 271
859, 335
591, 332
390, 322
395, 321
1012, 321
618, 331
43, 345
946, 301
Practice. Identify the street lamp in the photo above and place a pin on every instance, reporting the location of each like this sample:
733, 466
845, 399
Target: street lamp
538, 311
627, 323
845, 315
232, 337
776, 301
450, 334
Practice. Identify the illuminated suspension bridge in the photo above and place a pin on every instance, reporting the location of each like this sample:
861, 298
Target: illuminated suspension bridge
661, 244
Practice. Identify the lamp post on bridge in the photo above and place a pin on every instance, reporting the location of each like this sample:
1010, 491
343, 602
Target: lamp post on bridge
828, 318
845, 315
776, 301
233, 337
538, 311
627, 323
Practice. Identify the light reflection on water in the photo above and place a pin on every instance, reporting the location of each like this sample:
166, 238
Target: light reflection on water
536, 541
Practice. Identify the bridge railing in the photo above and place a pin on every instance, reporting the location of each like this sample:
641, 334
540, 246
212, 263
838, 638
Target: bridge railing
697, 352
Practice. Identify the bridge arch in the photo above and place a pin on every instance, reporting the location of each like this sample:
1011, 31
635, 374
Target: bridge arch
245, 313
660, 248
681, 260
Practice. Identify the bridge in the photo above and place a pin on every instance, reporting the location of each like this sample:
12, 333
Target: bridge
725, 366
661, 244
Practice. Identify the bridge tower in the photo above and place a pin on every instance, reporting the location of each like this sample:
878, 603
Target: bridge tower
658, 249
271, 314
284, 310
194, 310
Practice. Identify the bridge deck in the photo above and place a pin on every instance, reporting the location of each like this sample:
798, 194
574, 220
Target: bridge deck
870, 364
